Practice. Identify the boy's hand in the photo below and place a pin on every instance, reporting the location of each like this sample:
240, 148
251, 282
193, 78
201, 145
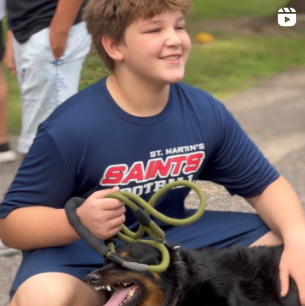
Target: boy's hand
103, 217
292, 264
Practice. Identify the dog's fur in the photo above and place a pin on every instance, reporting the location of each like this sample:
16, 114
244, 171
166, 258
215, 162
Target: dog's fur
235, 276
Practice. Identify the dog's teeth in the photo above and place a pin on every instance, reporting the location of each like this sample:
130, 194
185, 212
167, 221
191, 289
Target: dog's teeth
97, 288
126, 284
131, 292
103, 287
108, 288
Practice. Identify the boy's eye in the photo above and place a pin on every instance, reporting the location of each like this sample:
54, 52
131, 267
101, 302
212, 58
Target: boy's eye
180, 27
153, 31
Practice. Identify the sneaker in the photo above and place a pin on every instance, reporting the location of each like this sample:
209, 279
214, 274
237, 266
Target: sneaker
6, 155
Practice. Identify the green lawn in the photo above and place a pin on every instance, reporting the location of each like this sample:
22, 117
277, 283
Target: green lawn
228, 65
220, 9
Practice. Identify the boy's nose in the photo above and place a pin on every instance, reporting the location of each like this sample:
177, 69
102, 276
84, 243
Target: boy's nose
173, 39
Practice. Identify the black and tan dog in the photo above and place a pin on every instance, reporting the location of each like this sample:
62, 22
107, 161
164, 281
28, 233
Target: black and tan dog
236, 276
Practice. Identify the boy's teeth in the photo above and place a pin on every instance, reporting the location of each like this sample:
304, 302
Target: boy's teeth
171, 58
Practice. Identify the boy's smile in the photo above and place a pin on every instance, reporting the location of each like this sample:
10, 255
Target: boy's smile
156, 49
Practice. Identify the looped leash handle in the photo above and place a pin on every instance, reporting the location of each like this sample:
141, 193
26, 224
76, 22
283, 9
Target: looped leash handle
146, 224
83, 232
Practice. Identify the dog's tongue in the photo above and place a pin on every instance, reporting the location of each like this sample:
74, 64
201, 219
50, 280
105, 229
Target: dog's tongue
118, 296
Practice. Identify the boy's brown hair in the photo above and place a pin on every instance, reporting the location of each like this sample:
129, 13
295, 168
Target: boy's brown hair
112, 17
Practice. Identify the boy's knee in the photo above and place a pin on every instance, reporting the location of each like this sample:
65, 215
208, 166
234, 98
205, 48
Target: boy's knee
50, 289
268, 239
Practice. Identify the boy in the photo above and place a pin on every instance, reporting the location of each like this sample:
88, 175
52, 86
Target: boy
138, 129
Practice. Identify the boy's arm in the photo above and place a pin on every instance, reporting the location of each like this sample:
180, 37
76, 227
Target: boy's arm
35, 227
281, 210
63, 19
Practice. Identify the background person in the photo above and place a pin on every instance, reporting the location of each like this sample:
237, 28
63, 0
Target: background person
6, 154
50, 43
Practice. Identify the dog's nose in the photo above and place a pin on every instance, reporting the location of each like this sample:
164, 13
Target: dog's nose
93, 278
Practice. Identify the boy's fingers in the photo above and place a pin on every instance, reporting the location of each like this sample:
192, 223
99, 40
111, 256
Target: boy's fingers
284, 279
113, 205
302, 298
102, 193
112, 202
301, 288
117, 223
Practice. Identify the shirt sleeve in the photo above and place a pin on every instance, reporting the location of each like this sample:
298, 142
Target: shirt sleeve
237, 163
42, 180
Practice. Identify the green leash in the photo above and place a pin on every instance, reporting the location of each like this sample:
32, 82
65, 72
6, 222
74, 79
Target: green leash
141, 210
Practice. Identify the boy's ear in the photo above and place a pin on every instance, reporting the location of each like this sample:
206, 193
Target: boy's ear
112, 48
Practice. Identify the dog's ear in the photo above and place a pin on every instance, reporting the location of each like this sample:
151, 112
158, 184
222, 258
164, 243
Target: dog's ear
140, 253
150, 255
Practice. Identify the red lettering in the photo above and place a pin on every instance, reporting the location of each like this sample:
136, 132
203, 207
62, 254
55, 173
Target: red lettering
193, 162
179, 160
135, 174
150, 166
114, 175
162, 169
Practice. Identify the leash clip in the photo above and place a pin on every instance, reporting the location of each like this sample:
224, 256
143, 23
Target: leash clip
176, 249
165, 243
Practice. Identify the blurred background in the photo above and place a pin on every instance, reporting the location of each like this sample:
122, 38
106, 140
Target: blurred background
236, 44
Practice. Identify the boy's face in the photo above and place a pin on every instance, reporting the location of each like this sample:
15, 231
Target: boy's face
157, 49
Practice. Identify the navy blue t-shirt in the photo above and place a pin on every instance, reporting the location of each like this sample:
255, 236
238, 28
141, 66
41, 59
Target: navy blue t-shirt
89, 143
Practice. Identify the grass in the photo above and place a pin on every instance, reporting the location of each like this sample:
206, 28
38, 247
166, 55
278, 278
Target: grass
221, 9
234, 64
230, 64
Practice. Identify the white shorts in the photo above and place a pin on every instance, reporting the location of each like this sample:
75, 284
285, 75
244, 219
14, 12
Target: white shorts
45, 82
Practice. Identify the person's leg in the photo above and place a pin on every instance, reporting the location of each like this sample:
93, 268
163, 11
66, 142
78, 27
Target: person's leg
58, 273
36, 78
58, 289
219, 229
3, 93
6, 155
69, 66
3, 98
268, 239
45, 82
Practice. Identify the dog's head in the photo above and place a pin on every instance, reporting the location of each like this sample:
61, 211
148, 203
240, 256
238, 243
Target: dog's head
131, 288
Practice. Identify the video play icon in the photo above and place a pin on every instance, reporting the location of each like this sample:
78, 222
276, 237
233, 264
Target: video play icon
287, 17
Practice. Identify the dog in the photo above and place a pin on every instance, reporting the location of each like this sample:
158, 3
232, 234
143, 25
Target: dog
234, 276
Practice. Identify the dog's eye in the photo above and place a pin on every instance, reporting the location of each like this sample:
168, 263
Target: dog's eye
125, 255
